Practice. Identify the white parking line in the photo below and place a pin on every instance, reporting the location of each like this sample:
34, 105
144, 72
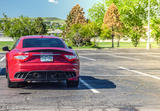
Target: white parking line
128, 53
2, 58
154, 56
113, 55
87, 58
119, 53
141, 73
124, 57
89, 87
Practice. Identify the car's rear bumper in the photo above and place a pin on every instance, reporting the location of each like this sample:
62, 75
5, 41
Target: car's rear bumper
45, 71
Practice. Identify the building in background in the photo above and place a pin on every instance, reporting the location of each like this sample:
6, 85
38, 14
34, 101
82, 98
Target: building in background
56, 32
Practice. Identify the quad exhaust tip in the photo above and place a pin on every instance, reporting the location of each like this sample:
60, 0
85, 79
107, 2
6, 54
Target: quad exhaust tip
36, 75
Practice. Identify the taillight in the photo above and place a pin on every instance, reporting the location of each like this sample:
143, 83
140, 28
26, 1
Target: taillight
21, 57
70, 57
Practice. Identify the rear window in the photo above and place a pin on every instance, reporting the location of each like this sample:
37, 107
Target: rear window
43, 42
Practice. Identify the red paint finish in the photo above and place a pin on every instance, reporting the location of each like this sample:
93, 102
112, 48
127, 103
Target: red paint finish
22, 59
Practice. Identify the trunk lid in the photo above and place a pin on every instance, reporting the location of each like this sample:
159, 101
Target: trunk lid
47, 55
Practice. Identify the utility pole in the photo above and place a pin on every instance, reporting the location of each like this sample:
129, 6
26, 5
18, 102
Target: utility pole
149, 28
158, 9
105, 7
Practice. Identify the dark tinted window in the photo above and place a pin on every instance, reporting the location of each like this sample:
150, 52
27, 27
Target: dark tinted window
43, 42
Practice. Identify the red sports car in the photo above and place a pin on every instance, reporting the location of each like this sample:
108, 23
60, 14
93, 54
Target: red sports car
41, 59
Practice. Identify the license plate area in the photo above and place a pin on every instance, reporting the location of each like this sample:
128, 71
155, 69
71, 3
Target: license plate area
46, 58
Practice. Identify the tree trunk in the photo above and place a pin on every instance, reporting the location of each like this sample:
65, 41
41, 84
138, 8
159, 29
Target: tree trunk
112, 40
135, 45
95, 42
118, 42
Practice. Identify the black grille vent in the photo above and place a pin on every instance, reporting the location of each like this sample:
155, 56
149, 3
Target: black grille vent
20, 75
45, 75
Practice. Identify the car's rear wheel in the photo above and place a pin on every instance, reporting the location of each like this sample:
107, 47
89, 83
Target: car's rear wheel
14, 84
73, 83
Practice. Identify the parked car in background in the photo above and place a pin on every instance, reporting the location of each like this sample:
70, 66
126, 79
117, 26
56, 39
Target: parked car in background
41, 59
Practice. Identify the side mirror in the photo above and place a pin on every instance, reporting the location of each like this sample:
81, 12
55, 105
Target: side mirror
70, 47
5, 48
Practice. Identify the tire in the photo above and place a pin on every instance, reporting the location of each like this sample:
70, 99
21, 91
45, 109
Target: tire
74, 84
14, 84
6, 75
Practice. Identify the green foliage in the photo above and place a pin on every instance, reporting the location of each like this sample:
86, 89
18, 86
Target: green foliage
95, 30
73, 36
15, 27
81, 34
155, 23
105, 33
96, 13
76, 16
141, 7
135, 36
22, 26
134, 25
112, 21
39, 26
133, 15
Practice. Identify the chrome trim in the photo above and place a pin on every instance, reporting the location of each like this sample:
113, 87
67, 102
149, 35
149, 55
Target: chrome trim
74, 69
47, 54
75, 64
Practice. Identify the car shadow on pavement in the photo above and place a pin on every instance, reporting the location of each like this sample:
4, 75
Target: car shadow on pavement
98, 83
92, 81
2, 71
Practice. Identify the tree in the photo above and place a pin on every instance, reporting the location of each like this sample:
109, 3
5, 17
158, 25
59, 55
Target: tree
131, 12
95, 31
88, 31
11, 27
155, 24
96, 13
17, 27
112, 21
75, 38
134, 24
22, 26
40, 26
76, 16
27, 26
86, 35
105, 33
135, 35
5, 24
81, 34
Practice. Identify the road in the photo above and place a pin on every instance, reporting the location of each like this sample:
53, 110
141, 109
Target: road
111, 80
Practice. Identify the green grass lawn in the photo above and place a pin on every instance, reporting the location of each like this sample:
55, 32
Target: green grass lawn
101, 45
8, 43
127, 45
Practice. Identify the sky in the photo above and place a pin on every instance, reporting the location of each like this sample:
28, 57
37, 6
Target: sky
42, 8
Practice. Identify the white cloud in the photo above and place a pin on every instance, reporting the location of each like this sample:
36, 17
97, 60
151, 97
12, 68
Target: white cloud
53, 1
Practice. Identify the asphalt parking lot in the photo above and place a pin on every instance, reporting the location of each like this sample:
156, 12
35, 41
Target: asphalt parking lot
111, 80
